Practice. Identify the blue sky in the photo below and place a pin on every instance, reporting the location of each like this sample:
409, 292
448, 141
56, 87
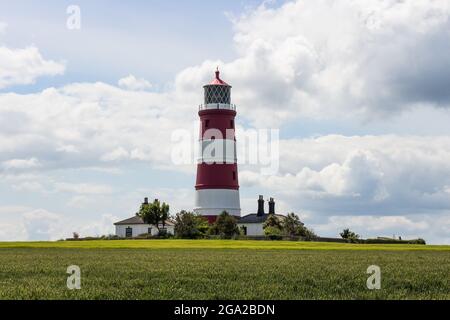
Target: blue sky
358, 94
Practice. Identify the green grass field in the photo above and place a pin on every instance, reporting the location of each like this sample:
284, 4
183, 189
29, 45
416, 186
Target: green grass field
220, 269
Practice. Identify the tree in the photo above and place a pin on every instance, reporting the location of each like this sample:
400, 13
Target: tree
225, 226
349, 235
190, 225
292, 224
307, 234
273, 221
154, 213
273, 227
164, 214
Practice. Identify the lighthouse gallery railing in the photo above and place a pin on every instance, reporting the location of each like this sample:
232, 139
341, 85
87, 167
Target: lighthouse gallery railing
209, 106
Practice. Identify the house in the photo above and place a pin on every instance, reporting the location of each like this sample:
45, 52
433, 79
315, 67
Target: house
135, 226
252, 224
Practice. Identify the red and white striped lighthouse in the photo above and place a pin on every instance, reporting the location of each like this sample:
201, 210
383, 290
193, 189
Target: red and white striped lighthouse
217, 187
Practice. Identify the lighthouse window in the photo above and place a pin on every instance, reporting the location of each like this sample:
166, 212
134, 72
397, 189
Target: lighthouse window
217, 94
206, 123
234, 175
232, 124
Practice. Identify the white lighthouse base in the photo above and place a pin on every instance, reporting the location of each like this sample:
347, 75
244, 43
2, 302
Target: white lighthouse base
212, 202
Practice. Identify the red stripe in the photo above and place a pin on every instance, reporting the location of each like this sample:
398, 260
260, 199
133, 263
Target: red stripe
217, 176
220, 119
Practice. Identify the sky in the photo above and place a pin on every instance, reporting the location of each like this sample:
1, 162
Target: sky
357, 92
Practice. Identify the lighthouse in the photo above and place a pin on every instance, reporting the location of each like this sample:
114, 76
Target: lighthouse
217, 186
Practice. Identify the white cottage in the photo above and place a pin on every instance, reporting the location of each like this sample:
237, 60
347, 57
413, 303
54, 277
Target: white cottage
252, 224
135, 226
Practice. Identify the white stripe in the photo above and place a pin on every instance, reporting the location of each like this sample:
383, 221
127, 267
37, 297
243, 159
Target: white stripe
217, 151
215, 201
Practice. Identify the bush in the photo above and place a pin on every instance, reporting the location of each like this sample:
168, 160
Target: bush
273, 221
417, 241
393, 241
273, 233
163, 234
273, 227
189, 225
104, 237
225, 226
144, 236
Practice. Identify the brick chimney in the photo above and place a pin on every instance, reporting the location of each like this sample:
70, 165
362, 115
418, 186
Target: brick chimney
271, 206
260, 206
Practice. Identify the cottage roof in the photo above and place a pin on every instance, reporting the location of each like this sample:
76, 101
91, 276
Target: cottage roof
254, 218
138, 220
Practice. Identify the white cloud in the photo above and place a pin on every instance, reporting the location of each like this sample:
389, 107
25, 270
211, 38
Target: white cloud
378, 224
132, 83
68, 149
83, 188
288, 63
12, 232
178, 198
13, 210
29, 186
361, 174
42, 225
28, 224
24, 66
81, 201
117, 154
335, 59
21, 164
104, 226
89, 124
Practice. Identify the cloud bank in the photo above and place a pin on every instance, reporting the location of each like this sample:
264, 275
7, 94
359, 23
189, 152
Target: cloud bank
24, 66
